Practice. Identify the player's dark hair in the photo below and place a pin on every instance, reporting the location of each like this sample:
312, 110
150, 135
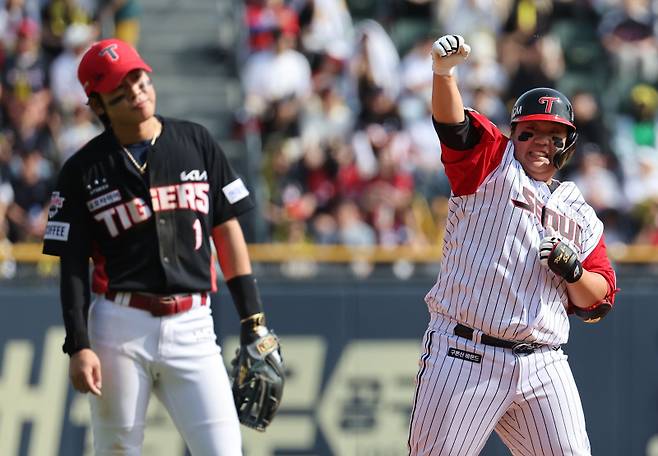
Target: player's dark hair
104, 118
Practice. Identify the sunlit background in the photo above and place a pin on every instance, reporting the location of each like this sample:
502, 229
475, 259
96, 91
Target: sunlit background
323, 108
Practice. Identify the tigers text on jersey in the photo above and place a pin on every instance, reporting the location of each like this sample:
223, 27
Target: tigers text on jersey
491, 278
152, 232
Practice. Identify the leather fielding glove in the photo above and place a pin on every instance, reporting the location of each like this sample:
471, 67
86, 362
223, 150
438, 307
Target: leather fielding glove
257, 376
448, 52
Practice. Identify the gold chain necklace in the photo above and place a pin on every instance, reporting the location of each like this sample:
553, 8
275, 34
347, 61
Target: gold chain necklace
140, 168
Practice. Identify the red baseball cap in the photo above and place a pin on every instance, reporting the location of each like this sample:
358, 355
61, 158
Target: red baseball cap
106, 63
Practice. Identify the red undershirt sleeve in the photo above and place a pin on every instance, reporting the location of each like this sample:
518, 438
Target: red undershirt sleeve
467, 169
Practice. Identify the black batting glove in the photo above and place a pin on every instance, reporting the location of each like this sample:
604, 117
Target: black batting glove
560, 258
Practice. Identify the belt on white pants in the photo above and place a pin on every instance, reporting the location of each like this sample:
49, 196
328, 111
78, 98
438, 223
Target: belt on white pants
159, 305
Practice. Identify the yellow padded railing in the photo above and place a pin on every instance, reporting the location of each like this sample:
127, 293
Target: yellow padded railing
280, 253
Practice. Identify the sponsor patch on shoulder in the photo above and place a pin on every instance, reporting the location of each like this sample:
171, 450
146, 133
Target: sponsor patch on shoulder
57, 231
56, 203
103, 200
235, 191
466, 356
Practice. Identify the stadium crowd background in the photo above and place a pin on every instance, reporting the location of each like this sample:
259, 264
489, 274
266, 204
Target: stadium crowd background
337, 95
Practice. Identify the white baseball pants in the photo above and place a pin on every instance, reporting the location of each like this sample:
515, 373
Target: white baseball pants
175, 357
466, 390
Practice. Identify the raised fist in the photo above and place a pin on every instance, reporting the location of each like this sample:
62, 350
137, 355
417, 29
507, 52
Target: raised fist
447, 52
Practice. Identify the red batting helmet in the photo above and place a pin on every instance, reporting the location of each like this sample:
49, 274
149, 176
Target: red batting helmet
550, 105
106, 63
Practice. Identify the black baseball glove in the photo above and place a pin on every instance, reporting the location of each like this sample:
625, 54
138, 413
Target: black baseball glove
258, 377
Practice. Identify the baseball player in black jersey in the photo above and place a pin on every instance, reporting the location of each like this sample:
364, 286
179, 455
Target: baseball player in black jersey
146, 199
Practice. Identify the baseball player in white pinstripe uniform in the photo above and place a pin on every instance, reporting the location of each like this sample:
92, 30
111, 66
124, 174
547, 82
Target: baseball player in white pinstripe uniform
522, 251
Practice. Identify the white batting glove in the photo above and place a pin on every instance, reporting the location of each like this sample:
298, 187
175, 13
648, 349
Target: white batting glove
546, 246
448, 52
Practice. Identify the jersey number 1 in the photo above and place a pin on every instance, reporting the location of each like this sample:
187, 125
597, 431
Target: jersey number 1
198, 236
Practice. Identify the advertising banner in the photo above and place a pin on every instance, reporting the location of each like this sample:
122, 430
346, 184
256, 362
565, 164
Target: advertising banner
351, 349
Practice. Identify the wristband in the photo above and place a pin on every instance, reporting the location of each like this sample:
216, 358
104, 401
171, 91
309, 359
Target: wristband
439, 69
245, 295
72, 345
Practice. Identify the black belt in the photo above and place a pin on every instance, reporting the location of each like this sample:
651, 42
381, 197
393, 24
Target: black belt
519, 348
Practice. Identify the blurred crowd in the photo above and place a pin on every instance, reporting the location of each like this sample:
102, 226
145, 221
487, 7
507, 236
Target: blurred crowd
43, 113
337, 106
337, 96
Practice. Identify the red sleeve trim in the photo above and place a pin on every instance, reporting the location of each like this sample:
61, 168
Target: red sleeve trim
598, 261
99, 277
213, 273
467, 169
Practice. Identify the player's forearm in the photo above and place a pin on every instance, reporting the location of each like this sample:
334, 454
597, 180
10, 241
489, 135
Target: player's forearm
231, 249
588, 290
75, 296
447, 104
235, 264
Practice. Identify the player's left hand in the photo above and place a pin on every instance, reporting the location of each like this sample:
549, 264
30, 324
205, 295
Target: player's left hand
85, 372
555, 254
257, 376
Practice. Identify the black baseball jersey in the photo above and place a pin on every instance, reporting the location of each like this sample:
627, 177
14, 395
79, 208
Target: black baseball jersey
148, 232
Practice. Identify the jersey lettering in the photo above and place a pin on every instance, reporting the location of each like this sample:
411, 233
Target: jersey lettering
530, 204
198, 234
186, 196
466, 356
104, 200
57, 231
567, 228
129, 214
108, 208
192, 195
194, 175
166, 197
123, 216
106, 216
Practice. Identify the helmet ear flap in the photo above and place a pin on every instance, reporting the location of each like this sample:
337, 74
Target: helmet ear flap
562, 157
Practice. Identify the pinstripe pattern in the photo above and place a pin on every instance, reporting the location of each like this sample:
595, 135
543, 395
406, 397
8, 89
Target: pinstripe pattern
427, 344
530, 401
549, 420
492, 281
491, 278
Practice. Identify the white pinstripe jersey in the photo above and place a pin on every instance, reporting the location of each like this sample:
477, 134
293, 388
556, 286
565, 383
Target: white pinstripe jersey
491, 278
